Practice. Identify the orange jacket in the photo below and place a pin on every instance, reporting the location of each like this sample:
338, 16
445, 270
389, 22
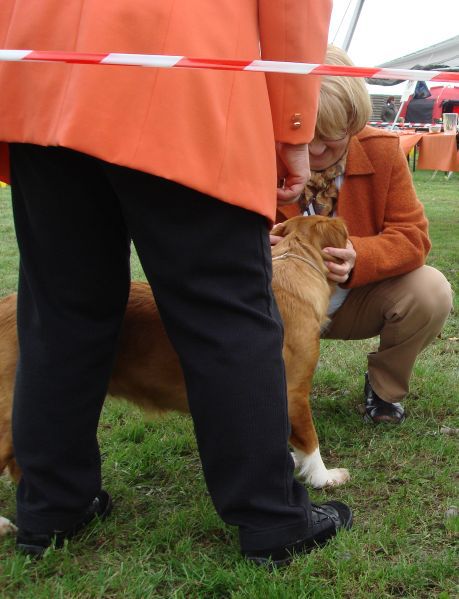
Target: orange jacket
378, 202
209, 130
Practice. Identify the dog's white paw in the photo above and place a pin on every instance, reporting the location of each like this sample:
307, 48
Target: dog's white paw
6, 527
332, 478
312, 469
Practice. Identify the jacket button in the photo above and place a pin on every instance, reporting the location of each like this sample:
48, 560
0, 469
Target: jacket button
296, 120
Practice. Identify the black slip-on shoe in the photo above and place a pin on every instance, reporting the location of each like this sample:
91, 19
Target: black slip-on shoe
327, 519
35, 544
379, 411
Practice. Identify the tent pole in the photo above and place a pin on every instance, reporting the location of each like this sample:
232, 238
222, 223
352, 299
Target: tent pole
353, 24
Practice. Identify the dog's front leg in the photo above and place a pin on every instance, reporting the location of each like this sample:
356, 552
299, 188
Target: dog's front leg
305, 443
312, 470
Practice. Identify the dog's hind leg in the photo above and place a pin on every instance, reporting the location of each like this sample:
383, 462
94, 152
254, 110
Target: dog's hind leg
6, 527
8, 463
13, 470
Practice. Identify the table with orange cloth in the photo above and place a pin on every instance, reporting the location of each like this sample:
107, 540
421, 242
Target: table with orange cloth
408, 140
437, 151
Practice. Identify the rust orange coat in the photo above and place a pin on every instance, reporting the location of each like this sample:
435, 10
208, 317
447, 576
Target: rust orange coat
210, 130
378, 202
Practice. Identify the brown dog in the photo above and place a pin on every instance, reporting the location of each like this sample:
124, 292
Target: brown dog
147, 370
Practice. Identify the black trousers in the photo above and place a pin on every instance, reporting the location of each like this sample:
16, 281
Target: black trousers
209, 264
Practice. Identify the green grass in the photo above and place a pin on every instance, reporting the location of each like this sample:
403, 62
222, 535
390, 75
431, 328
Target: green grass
164, 538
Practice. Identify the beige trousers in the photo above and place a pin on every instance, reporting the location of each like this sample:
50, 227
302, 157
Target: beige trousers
407, 312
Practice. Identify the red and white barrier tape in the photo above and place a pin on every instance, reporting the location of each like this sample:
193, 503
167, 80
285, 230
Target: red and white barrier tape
266, 66
402, 125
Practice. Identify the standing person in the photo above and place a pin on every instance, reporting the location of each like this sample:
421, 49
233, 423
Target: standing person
389, 112
385, 288
184, 163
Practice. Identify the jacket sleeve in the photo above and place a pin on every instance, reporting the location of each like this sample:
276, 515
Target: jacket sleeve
403, 242
296, 31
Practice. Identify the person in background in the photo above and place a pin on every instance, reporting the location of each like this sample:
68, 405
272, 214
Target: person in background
389, 112
182, 162
384, 287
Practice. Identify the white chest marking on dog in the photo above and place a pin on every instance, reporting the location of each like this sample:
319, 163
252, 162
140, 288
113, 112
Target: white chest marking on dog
312, 469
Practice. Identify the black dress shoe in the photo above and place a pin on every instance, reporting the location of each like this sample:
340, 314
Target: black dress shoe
35, 544
377, 410
327, 519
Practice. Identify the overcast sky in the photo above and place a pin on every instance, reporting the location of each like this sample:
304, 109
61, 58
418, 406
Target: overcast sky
388, 29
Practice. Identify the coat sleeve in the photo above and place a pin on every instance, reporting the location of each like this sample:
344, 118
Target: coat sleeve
297, 31
403, 242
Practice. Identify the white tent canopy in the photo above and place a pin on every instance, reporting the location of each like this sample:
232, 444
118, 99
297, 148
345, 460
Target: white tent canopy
444, 53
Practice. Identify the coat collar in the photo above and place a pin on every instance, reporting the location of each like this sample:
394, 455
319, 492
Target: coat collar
358, 162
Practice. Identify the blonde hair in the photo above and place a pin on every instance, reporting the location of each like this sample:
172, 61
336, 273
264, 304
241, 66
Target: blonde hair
344, 103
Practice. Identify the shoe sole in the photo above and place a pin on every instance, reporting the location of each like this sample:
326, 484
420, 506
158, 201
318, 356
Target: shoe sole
370, 420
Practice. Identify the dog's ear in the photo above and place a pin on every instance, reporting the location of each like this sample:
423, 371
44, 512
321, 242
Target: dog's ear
288, 226
337, 233
329, 232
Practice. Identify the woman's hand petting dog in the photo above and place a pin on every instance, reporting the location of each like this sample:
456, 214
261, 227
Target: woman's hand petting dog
340, 273
274, 239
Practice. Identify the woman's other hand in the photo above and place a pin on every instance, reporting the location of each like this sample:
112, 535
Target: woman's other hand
340, 273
